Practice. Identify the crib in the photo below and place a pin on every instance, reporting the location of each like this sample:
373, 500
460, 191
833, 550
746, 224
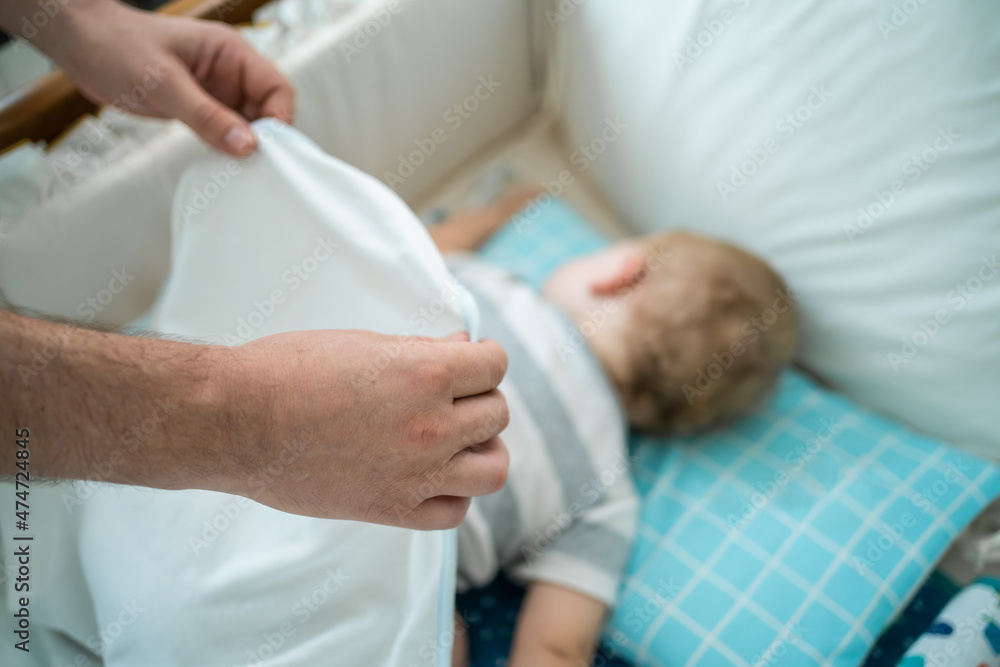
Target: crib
854, 145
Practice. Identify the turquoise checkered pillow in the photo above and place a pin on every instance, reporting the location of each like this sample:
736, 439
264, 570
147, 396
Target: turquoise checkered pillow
789, 538
533, 245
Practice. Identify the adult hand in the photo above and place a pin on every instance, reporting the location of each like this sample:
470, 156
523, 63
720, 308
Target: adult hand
333, 424
363, 426
200, 72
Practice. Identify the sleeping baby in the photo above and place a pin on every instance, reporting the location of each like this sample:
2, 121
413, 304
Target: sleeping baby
623, 336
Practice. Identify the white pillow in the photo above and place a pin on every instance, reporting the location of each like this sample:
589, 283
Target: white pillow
855, 144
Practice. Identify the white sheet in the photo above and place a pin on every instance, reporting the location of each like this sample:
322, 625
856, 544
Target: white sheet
206, 578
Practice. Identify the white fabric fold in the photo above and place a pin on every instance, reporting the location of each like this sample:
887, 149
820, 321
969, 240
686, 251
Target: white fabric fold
290, 239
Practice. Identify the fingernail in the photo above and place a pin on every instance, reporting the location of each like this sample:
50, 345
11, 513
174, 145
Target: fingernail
239, 140
458, 336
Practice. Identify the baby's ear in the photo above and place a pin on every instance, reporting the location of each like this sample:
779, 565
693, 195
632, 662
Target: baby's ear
629, 273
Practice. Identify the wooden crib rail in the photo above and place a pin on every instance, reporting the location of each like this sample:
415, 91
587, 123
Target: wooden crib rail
42, 110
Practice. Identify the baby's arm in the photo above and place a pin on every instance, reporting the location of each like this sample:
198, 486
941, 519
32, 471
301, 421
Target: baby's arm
557, 627
468, 230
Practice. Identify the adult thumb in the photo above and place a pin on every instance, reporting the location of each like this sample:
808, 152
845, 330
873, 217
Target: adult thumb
211, 120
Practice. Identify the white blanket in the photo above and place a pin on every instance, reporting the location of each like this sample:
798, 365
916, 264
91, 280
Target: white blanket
290, 239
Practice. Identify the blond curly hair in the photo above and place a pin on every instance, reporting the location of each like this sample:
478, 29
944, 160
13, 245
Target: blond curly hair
706, 332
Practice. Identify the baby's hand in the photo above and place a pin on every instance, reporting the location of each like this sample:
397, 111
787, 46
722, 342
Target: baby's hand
517, 198
467, 230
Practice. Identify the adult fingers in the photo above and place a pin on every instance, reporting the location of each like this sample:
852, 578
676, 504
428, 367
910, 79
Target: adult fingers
183, 98
219, 63
266, 91
476, 471
437, 513
476, 419
278, 102
474, 368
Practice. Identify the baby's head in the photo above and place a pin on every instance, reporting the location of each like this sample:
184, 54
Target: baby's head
691, 330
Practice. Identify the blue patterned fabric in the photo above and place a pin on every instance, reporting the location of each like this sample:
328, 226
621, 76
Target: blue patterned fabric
791, 537
911, 623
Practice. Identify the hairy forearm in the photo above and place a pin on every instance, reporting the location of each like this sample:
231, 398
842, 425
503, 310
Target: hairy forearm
102, 406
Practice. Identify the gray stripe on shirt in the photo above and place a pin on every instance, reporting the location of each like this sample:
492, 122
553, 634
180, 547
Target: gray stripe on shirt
595, 544
566, 449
